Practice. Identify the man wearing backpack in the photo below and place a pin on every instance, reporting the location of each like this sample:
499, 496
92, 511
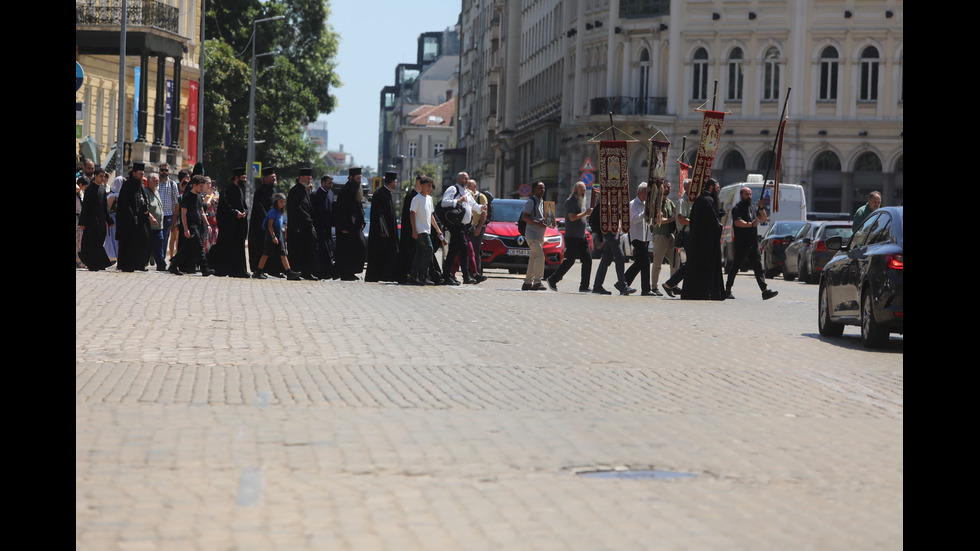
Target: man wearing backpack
475, 235
456, 197
533, 216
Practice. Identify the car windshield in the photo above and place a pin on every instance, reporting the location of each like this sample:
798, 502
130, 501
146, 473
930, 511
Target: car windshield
507, 210
838, 231
786, 228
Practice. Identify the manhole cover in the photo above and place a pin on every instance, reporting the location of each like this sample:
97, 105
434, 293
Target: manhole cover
633, 473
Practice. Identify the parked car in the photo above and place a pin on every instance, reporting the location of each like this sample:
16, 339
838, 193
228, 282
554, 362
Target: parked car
773, 245
806, 257
504, 247
863, 284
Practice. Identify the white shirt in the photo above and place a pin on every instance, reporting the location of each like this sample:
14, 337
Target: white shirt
639, 231
423, 208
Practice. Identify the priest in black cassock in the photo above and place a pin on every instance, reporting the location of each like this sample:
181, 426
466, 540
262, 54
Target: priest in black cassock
227, 256
703, 280
382, 264
92, 221
349, 221
406, 244
133, 223
302, 235
323, 200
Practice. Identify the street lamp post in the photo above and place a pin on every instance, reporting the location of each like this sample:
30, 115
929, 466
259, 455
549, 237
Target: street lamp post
250, 158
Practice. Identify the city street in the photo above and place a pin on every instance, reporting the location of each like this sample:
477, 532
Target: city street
240, 414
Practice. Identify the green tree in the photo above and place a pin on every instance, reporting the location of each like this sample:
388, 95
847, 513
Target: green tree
292, 86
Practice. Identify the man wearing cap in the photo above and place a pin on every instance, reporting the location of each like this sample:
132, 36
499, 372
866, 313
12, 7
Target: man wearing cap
349, 221
133, 223
302, 235
382, 264
323, 199
227, 256
261, 203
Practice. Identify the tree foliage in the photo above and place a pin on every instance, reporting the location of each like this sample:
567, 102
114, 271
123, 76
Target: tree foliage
292, 86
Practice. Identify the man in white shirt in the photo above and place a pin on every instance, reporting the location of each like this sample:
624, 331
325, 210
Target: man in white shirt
423, 223
457, 195
640, 239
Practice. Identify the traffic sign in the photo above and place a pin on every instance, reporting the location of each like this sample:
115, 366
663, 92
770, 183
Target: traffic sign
587, 166
79, 76
588, 178
524, 190
256, 169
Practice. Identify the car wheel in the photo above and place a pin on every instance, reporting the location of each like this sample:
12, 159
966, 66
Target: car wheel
873, 335
827, 327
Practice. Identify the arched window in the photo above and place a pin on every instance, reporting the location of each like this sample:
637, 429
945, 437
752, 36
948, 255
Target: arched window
700, 84
828, 74
735, 75
867, 162
733, 160
770, 85
869, 74
767, 162
828, 161
644, 74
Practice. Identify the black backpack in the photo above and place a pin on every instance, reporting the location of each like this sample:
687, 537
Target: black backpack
521, 224
451, 217
489, 197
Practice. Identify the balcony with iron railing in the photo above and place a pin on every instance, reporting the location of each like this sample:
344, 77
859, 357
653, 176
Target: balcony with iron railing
146, 13
628, 106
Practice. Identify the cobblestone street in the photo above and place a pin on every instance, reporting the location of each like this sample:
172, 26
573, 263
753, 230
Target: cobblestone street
216, 413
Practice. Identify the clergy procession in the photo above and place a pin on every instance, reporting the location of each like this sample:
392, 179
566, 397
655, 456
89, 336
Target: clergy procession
309, 234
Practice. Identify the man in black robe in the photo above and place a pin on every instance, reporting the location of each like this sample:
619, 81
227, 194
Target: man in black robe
133, 223
227, 256
703, 280
261, 203
194, 226
382, 264
92, 221
302, 235
349, 221
323, 200
406, 244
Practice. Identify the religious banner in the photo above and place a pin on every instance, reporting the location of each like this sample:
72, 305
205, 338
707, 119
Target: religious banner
656, 178
710, 136
190, 148
685, 170
614, 183
779, 159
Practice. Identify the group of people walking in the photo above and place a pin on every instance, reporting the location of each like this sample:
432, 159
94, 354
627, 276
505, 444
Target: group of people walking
309, 234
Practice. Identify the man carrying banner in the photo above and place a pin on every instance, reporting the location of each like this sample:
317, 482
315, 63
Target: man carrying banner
746, 217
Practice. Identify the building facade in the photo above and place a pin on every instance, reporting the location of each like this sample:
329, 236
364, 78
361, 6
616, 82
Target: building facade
162, 75
653, 65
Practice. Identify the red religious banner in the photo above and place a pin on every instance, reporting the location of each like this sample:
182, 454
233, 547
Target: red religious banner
685, 169
656, 178
779, 159
710, 136
614, 182
190, 148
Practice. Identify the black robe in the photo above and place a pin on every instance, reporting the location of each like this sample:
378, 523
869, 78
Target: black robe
261, 203
703, 279
382, 262
133, 226
349, 217
227, 256
300, 231
94, 216
323, 201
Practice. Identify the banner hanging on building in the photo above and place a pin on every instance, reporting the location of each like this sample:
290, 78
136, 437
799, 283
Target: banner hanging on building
707, 147
656, 178
614, 186
190, 148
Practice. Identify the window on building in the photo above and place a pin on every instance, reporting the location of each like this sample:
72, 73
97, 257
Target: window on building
644, 74
413, 149
437, 149
828, 74
869, 74
770, 86
700, 84
735, 75
827, 160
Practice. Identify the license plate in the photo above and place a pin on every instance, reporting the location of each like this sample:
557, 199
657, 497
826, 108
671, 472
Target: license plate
519, 252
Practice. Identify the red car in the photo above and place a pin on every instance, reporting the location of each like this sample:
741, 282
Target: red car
504, 247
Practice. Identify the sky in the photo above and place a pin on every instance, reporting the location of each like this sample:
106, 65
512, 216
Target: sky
375, 35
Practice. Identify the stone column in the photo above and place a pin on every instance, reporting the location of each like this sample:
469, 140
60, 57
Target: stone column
141, 110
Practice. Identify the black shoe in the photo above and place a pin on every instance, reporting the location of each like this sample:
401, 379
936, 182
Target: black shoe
258, 274
768, 294
670, 290
650, 294
205, 272
539, 287
729, 295
175, 270
480, 278
292, 276
527, 287
624, 289
601, 291
470, 281
310, 277
450, 281
552, 285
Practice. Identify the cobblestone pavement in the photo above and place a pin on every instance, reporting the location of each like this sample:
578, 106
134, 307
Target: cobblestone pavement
230, 414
